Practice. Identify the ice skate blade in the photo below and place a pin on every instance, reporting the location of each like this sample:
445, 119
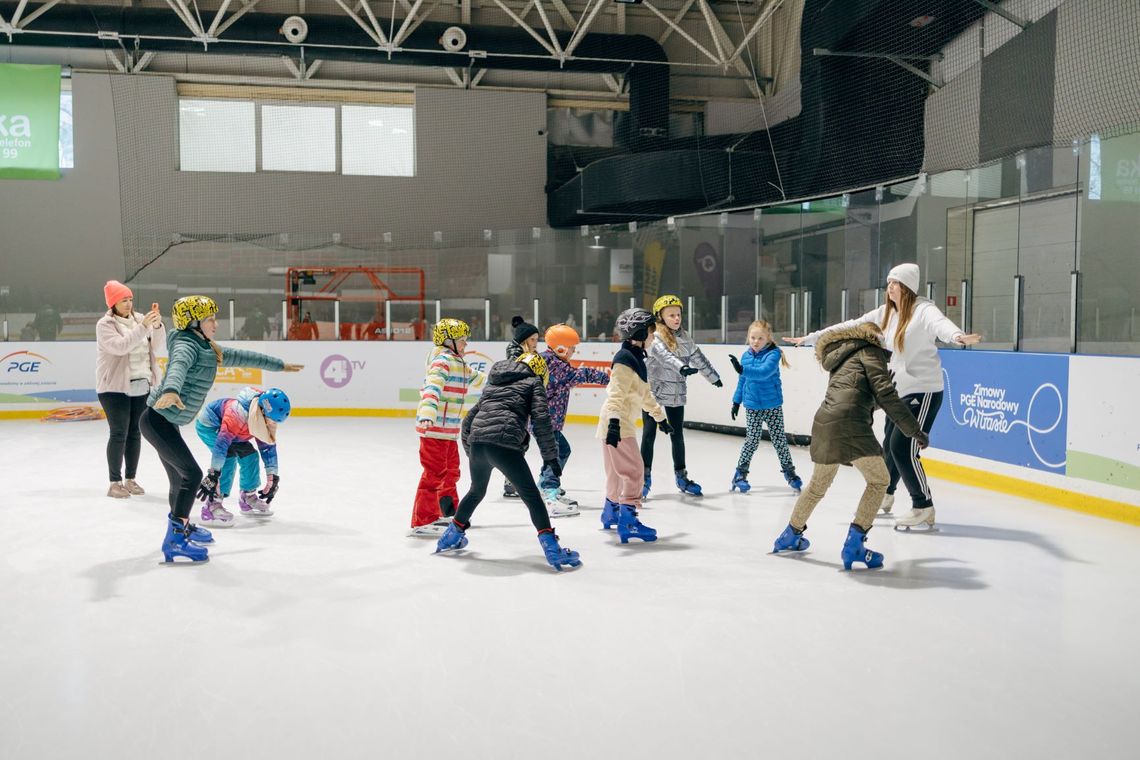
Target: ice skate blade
212, 525
172, 561
556, 515
257, 514
848, 566
920, 528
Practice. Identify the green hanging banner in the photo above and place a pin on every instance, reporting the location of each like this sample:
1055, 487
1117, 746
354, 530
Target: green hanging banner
29, 121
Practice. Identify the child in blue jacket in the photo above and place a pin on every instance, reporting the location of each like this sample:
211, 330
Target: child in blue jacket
758, 389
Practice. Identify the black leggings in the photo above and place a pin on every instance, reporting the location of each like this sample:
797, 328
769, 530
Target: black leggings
901, 453
123, 413
676, 417
184, 473
482, 459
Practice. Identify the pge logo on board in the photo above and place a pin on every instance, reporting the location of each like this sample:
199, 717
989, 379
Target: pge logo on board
24, 362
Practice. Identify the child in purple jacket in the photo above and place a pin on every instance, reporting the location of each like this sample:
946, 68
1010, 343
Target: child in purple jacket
561, 342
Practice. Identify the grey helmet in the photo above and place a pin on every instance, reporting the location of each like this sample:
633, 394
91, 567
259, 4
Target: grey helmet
634, 324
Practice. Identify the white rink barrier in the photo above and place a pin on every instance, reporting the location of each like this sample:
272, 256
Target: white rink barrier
1055, 420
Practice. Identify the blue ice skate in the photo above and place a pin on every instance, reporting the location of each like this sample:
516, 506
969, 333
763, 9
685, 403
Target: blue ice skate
453, 539
555, 554
685, 485
179, 543
630, 527
855, 550
793, 480
609, 515
791, 540
196, 534
740, 482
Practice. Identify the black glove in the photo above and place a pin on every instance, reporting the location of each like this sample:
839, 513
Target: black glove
665, 427
555, 468
270, 490
736, 364
735, 410
209, 485
687, 370
718, 384
613, 433
922, 439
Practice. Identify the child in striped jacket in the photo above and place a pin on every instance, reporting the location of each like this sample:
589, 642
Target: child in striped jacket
437, 423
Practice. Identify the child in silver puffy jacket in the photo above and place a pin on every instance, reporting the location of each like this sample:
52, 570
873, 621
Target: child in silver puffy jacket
672, 358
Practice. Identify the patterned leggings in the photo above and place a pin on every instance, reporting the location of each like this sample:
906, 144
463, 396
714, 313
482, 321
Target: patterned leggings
756, 419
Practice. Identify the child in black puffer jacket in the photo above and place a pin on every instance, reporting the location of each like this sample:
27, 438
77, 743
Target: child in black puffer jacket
495, 437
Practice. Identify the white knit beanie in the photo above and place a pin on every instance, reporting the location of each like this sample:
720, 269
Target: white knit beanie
907, 274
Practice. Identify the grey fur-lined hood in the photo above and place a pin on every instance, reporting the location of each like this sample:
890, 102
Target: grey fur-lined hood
834, 346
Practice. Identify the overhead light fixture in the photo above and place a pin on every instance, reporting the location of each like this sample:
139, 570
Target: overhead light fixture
597, 245
920, 21
628, 2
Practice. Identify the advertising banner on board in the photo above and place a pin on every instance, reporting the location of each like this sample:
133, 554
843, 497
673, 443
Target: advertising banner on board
1009, 407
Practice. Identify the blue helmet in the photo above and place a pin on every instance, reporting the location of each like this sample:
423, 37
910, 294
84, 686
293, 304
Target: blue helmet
275, 404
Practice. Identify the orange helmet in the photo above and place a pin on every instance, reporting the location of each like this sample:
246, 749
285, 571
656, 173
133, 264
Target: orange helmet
560, 338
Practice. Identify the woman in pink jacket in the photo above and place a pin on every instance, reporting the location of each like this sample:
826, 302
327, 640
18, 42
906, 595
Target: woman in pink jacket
125, 369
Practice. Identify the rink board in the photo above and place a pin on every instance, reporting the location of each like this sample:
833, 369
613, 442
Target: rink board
1054, 420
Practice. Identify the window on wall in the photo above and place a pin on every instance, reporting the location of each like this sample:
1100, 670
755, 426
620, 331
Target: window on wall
378, 140
244, 136
217, 136
298, 138
66, 131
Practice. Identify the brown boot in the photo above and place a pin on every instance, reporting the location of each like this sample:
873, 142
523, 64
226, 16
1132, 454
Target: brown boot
133, 488
118, 491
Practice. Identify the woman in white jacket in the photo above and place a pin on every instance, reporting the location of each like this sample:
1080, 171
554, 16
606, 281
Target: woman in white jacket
911, 326
125, 369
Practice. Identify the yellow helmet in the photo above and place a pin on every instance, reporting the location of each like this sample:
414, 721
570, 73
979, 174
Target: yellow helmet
454, 329
665, 302
192, 309
537, 365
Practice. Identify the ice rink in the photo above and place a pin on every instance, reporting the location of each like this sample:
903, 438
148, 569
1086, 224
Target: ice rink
325, 632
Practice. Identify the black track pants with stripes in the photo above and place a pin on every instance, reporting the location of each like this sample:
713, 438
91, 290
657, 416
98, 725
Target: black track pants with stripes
901, 452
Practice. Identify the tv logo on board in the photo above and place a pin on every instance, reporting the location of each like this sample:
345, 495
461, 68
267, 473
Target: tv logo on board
337, 370
24, 362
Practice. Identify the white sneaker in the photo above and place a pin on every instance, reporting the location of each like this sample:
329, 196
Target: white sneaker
431, 530
918, 519
887, 504
559, 506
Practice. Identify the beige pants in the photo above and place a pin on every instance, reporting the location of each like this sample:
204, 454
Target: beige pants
874, 471
625, 472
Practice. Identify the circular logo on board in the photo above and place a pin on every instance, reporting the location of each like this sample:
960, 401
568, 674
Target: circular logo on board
336, 371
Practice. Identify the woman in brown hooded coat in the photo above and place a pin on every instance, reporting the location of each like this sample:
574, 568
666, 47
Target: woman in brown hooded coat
841, 434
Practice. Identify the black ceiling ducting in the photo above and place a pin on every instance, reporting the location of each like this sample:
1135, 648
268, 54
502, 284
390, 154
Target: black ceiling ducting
861, 123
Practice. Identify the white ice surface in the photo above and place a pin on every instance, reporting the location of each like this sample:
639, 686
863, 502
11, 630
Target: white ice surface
325, 632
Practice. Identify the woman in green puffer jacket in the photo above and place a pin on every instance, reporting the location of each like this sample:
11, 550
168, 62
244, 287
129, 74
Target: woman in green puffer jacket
841, 434
192, 365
